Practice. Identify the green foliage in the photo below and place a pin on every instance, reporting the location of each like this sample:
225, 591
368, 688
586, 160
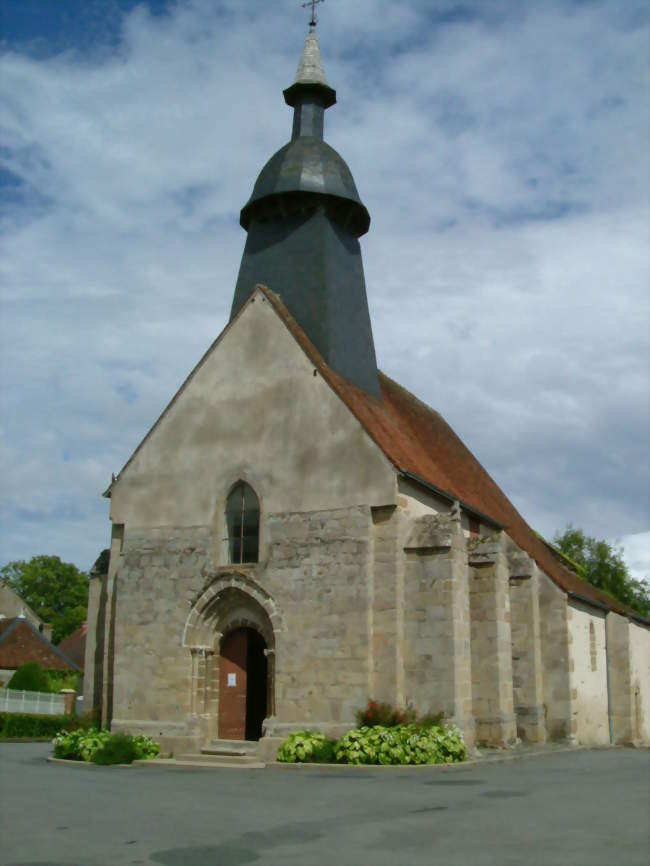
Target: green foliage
602, 565
403, 744
102, 747
145, 748
64, 680
304, 747
15, 725
57, 591
400, 744
80, 744
30, 677
118, 749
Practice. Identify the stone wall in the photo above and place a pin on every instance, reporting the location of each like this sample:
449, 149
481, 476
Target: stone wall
554, 635
94, 659
588, 671
318, 573
640, 682
525, 626
437, 661
491, 641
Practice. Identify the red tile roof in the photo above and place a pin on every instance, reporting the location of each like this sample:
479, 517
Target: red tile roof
418, 441
20, 642
74, 646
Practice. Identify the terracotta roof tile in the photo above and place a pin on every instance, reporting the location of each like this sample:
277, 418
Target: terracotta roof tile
74, 646
20, 642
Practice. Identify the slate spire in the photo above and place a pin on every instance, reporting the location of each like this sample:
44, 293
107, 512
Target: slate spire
303, 220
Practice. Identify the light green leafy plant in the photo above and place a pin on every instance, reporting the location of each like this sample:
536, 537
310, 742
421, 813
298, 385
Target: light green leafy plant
306, 747
402, 744
145, 747
84, 745
79, 745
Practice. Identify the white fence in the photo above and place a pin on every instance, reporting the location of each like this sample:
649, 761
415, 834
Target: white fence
37, 703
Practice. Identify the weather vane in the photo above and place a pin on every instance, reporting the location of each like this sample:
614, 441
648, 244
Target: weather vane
313, 21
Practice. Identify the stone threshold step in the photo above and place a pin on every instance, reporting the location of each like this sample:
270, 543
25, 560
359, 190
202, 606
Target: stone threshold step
210, 758
198, 764
230, 747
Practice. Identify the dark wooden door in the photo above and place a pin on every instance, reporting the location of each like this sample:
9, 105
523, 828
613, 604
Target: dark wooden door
232, 685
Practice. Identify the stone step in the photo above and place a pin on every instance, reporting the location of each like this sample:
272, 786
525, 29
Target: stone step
199, 762
230, 747
211, 758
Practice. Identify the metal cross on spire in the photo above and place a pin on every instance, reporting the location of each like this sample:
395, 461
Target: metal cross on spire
313, 21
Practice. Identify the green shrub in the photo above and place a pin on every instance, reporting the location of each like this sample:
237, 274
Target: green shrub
79, 744
145, 748
30, 677
87, 744
119, 748
303, 747
14, 725
402, 744
63, 680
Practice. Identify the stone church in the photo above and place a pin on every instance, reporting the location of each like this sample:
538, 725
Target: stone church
297, 533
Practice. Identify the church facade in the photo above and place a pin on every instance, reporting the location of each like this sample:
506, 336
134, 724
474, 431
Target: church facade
297, 533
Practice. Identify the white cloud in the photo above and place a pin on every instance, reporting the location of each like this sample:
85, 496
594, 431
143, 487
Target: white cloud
636, 553
502, 152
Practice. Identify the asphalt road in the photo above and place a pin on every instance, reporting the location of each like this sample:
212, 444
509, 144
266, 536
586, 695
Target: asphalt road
586, 808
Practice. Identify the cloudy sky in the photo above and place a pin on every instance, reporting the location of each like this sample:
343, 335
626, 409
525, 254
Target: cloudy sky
501, 148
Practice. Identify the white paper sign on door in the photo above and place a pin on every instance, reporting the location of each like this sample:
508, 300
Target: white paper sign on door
232, 679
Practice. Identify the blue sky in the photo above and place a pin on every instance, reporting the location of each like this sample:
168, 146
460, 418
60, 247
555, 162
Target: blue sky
500, 147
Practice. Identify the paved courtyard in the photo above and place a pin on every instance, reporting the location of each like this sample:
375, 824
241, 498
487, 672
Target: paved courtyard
585, 808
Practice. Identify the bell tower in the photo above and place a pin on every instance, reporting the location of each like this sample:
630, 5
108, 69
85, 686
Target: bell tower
304, 220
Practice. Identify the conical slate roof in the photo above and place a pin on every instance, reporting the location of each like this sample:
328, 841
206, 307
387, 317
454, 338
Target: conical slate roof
304, 219
311, 74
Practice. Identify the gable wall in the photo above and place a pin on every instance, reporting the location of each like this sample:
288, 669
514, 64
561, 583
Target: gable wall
252, 409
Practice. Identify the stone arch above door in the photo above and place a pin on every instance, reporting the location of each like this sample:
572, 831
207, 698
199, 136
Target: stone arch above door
230, 601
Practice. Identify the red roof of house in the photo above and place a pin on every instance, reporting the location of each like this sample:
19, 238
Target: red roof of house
20, 642
74, 646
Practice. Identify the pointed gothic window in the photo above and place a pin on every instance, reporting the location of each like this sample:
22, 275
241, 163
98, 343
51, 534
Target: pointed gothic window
243, 522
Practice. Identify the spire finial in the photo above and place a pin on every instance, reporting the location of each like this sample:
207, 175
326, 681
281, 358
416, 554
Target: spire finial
313, 21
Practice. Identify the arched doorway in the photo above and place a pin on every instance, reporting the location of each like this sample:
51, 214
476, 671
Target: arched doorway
243, 685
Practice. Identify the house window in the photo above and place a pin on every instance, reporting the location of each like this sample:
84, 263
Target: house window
243, 523
474, 527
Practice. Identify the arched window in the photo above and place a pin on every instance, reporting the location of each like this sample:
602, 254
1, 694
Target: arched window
243, 522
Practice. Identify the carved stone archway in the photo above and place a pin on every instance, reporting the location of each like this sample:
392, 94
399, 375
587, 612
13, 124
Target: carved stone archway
229, 602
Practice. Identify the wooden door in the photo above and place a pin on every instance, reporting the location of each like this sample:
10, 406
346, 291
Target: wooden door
232, 685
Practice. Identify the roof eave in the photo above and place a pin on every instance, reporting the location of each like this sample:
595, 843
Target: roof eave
484, 518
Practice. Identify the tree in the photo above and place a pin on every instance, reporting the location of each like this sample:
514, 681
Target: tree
30, 677
57, 591
604, 567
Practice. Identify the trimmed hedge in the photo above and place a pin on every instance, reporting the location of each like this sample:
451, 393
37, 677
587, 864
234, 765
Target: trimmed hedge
14, 725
